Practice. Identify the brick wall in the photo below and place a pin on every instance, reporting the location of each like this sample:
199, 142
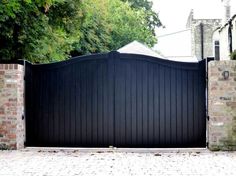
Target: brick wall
222, 105
12, 131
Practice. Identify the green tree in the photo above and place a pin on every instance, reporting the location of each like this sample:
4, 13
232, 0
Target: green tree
129, 25
95, 29
146, 4
38, 30
111, 24
53, 30
151, 16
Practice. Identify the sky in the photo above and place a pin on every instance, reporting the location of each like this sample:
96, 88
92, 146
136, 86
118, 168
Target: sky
174, 14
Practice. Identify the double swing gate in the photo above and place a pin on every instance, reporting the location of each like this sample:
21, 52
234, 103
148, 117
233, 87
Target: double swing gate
121, 100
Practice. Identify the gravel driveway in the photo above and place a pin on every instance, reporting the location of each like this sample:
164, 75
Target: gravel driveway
56, 163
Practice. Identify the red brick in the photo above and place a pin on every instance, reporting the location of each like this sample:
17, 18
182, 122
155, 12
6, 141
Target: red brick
2, 131
11, 85
13, 146
5, 122
5, 140
231, 104
214, 88
13, 126
11, 136
12, 99
15, 66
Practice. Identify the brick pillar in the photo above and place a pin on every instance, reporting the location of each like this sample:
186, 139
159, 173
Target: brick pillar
12, 131
222, 105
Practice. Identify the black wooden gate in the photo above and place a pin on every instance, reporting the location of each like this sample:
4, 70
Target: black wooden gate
113, 99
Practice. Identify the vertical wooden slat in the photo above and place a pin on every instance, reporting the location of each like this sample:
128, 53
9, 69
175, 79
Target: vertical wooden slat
167, 106
173, 107
162, 107
111, 97
86, 101
179, 108
202, 101
190, 106
79, 107
76, 105
106, 105
196, 107
151, 104
83, 105
185, 105
94, 104
139, 99
51, 102
128, 110
45, 106
36, 111
134, 102
66, 106
120, 116
89, 103
30, 105
102, 105
123, 108
145, 117
156, 105
73, 105
56, 110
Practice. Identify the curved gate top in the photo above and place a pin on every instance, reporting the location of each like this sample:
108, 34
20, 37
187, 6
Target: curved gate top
121, 100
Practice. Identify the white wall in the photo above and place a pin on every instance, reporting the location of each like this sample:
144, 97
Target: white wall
234, 34
224, 43
176, 44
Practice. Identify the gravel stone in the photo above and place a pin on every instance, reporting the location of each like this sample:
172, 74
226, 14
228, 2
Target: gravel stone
70, 163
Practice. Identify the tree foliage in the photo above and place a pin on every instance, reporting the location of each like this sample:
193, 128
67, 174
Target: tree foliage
129, 25
151, 16
38, 30
53, 30
111, 24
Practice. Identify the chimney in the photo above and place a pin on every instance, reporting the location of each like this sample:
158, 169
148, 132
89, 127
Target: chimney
227, 10
190, 19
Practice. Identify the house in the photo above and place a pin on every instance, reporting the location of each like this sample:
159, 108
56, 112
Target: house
193, 43
176, 46
224, 37
202, 31
136, 47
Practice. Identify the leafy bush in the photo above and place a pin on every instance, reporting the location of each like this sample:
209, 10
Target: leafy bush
233, 55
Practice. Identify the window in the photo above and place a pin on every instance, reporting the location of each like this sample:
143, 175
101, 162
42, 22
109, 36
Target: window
217, 50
